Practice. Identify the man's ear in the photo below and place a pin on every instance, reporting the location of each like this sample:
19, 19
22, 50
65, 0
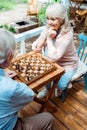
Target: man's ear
9, 56
7, 60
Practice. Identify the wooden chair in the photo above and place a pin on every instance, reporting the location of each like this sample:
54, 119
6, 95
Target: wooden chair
81, 73
75, 5
32, 8
81, 17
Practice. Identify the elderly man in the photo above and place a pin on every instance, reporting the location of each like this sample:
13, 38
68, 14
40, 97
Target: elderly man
15, 95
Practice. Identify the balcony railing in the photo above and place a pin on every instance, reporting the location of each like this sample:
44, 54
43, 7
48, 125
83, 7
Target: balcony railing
20, 38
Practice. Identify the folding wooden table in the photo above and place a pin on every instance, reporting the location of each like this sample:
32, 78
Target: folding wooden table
39, 83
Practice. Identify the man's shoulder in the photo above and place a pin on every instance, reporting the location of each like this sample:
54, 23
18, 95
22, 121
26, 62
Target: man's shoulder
8, 82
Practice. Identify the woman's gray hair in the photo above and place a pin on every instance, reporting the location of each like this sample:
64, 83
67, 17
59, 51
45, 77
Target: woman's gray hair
7, 43
57, 10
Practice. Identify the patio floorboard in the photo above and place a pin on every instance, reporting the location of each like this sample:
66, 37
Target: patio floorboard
70, 115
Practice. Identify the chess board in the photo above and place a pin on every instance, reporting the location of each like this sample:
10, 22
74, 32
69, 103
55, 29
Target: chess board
31, 66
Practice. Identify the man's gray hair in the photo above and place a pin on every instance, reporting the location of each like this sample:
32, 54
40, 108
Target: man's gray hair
7, 43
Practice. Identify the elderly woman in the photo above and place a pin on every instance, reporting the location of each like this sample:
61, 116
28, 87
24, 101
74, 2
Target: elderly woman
57, 41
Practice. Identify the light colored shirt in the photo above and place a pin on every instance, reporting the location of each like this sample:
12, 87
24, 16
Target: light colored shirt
63, 50
13, 97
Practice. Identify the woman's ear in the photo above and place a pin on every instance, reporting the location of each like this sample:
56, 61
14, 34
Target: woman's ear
62, 22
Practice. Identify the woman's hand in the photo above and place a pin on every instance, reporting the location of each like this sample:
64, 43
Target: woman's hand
51, 60
11, 74
35, 49
51, 34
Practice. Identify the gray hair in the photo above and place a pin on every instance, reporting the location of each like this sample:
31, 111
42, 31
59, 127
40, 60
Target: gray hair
7, 43
57, 10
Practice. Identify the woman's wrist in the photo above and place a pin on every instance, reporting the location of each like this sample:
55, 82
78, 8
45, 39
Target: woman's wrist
49, 40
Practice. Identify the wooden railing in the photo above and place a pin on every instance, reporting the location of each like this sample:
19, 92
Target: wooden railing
20, 38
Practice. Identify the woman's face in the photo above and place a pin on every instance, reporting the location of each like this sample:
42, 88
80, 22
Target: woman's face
54, 23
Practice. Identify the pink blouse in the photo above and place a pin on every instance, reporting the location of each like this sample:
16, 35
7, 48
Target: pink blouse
63, 50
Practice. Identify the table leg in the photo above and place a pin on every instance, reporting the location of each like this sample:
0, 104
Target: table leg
45, 101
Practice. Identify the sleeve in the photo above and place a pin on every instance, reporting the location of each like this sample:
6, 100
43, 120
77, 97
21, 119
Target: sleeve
40, 40
56, 52
22, 95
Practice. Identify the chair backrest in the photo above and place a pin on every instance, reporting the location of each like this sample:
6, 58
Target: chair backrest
82, 49
32, 8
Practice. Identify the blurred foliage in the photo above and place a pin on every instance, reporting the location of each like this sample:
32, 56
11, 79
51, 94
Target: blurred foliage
25, 1
11, 29
6, 5
10, 4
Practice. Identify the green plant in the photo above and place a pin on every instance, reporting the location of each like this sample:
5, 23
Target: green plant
6, 5
41, 15
56, 0
25, 1
10, 4
11, 29
4, 26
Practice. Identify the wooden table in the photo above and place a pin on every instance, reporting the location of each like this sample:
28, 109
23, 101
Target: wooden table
39, 83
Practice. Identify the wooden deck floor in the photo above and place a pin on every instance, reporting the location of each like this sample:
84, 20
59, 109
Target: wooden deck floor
70, 115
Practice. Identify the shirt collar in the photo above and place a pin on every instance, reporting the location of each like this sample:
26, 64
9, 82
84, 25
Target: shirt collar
2, 73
